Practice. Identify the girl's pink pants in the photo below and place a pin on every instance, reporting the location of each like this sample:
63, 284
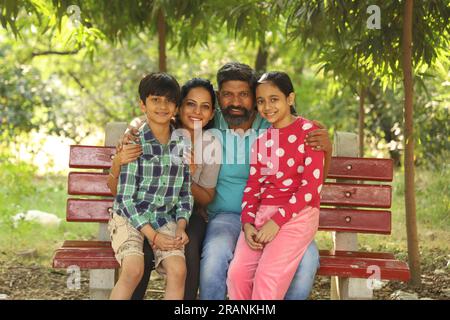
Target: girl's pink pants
266, 274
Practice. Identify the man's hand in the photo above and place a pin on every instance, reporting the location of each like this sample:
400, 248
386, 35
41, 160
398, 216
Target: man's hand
250, 233
319, 139
268, 232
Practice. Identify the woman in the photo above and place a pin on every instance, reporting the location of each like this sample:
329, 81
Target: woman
196, 111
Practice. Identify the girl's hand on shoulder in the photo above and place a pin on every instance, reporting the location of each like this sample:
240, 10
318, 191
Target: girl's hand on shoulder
268, 232
250, 234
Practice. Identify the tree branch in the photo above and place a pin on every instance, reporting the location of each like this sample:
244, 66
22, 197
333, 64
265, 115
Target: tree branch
50, 52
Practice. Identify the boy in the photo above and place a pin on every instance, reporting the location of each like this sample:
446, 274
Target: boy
154, 197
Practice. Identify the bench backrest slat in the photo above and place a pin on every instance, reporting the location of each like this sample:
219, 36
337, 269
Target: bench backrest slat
351, 204
371, 169
331, 219
338, 194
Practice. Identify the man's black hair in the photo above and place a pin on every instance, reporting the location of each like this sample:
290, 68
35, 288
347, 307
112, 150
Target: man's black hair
236, 71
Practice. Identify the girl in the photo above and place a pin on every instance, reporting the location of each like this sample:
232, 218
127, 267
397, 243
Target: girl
197, 109
280, 207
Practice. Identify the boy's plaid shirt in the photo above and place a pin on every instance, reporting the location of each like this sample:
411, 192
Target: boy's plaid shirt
155, 188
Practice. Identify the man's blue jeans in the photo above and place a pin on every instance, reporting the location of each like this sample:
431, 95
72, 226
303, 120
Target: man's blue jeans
220, 241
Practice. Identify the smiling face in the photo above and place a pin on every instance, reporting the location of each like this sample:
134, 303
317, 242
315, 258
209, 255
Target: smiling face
236, 102
158, 110
274, 105
196, 106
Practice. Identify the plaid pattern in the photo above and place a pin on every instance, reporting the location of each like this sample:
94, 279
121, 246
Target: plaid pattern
155, 188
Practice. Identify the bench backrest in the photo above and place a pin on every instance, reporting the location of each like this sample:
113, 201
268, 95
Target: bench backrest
345, 207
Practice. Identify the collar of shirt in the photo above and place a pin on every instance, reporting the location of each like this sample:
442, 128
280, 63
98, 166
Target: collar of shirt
151, 146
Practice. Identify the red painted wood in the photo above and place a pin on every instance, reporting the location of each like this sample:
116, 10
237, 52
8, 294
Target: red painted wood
99, 255
88, 183
356, 195
88, 210
361, 169
360, 267
339, 194
331, 219
85, 258
91, 157
357, 254
350, 220
86, 244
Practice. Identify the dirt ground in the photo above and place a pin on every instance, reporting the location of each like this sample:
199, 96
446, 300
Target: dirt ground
21, 278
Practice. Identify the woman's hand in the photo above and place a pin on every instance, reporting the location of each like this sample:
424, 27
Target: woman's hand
268, 232
319, 139
250, 232
129, 153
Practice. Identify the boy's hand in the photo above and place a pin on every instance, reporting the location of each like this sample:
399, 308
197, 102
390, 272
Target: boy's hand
250, 233
164, 242
180, 233
182, 237
318, 139
268, 232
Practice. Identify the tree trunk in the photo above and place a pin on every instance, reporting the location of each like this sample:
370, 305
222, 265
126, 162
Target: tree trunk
410, 200
362, 96
162, 41
261, 59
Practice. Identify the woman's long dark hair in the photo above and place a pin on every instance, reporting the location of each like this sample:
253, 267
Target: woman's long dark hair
187, 87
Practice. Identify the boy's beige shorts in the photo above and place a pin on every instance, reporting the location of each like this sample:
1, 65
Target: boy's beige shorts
127, 240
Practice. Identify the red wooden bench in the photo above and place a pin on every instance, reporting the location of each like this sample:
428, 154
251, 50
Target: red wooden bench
346, 207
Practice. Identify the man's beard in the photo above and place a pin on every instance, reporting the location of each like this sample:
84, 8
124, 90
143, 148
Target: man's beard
236, 120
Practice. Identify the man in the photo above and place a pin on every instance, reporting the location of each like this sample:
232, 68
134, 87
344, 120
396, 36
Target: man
239, 122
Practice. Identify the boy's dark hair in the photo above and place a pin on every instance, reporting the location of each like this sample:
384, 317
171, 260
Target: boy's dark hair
281, 80
236, 71
197, 83
160, 84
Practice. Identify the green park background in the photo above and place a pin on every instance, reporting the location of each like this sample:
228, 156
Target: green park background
66, 73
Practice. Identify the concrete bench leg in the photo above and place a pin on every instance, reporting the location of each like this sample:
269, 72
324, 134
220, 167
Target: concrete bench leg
346, 145
102, 281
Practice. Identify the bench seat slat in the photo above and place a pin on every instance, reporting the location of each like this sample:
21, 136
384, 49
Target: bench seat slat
331, 219
338, 194
99, 255
362, 267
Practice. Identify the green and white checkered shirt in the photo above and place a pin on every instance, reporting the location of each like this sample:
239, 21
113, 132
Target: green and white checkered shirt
155, 188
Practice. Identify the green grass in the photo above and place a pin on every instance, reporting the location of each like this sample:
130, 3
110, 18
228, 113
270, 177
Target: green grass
22, 190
